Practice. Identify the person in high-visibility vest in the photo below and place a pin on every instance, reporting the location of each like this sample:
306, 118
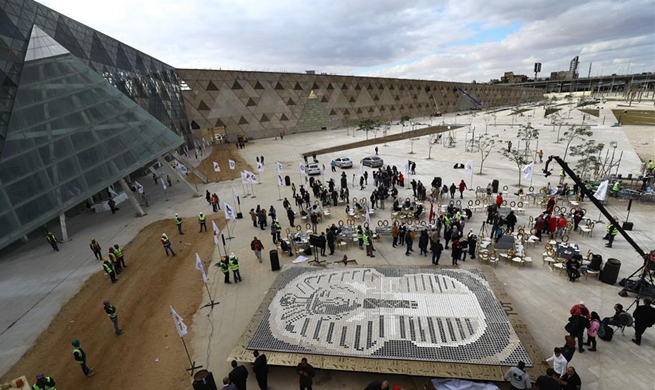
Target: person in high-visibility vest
225, 269
44, 383
202, 219
611, 232
119, 256
234, 266
111, 313
167, 244
616, 188
178, 222
80, 358
114, 261
109, 269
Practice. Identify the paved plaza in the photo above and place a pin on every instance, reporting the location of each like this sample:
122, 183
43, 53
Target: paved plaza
35, 282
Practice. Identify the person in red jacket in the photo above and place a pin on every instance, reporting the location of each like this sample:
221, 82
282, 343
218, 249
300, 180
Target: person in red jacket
499, 199
462, 187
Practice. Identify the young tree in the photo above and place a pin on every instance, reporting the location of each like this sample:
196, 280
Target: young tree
589, 153
484, 145
575, 132
368, 125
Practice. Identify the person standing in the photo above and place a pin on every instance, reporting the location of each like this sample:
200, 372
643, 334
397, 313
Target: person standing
644, 317
178, 222
238, 376
202, 220
305, 372
260, 367
80, 358
234, 266
44, 383
225, 269
518, 378
257, 247
111, 312
118, 252
95, 247
109, 270
52, 240
167, 244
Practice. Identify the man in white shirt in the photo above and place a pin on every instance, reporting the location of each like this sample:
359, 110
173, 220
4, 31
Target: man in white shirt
559, 362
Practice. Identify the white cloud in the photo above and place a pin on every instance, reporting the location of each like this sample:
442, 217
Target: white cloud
346, 37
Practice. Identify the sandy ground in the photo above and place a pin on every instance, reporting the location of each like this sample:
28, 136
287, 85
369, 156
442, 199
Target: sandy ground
149, 355
221, 154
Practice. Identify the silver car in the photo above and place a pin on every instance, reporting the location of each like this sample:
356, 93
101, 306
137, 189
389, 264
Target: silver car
343, 162
372, 161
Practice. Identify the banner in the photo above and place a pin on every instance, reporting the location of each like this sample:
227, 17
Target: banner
139, 187
279, 167
468, 167
302, 168
200, 268
232, 164
216, 167
229, 211
179, 323
601, 192
280, 182
527, 171
216, 232
260, 167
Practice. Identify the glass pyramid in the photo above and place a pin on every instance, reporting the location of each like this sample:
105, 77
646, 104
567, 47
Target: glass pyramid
71, 134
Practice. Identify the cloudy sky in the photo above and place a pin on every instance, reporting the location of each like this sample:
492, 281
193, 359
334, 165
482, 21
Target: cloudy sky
460, 40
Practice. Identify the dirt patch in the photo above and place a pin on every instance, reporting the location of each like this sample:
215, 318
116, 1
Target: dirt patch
149, 355
221, 154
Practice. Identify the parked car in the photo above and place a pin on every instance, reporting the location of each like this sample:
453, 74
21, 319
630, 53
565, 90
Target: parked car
372, 161
343, 162
313, 169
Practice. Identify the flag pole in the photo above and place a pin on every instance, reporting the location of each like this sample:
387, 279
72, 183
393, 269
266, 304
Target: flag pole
192, 364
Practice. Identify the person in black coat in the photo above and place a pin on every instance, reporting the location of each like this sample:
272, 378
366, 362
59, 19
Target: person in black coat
238, 376
260, 367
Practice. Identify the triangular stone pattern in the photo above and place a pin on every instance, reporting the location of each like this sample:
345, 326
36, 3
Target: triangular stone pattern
94, 136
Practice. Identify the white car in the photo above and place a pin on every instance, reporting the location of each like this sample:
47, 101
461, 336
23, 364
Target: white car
343, 162
313, 169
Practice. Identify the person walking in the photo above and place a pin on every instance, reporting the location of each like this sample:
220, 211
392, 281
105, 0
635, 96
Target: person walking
234, 266
80, 358
260, 367
202, 220
52, 240
306, 374
167, 244
518, 378
111, 312
225, 269
118, 252
644, 317
178, 222
95, 247
257, 247
44, 383
238, 376
109, 270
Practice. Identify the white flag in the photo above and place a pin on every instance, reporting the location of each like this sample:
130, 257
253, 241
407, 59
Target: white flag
229, 211
111, 190
139, 187
368, 217
601, 192
216, 167
200, 268
179, 323
232, 164
260, 167
253, 178
280, 182
302, 168
162, 183
216, 232
468, 167
235, 196
527, 171
279, 167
